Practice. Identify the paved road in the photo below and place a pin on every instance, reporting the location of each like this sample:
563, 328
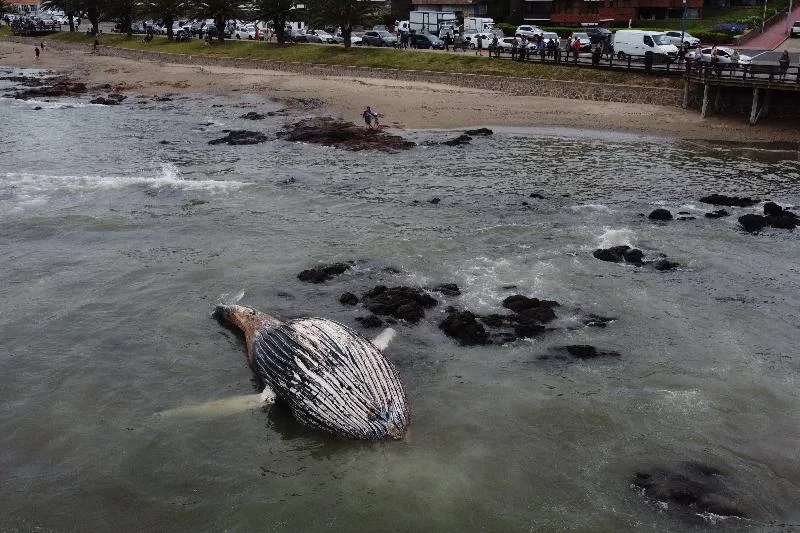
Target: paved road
775, 35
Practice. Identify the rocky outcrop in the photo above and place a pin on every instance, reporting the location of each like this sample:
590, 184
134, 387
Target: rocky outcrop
345, 135
752, 222
660, 214
322, 273
348, 298
576, 351
60, 87
692, 487
633, 256
404, 303
479, 131
458, 141
464, 327
252, 115
719, 213
238, 137
448, 289
729, 201
112, 99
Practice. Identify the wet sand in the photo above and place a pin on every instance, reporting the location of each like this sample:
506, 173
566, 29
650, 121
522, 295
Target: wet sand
403, 104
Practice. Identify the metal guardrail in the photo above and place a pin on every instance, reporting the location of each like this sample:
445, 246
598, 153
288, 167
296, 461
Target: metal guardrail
752, 74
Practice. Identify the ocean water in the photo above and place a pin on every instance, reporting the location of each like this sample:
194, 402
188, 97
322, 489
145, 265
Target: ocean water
116, 247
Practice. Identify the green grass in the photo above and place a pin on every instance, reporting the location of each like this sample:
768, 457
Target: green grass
375, 58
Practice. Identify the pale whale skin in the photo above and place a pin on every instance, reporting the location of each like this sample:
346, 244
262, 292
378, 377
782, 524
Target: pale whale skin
331, 377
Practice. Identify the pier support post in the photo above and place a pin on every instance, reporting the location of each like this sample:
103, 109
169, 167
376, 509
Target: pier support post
685, 93
754, 110
704, 110
717, 98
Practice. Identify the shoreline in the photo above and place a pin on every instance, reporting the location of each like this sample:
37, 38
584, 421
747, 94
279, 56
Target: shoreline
404, 104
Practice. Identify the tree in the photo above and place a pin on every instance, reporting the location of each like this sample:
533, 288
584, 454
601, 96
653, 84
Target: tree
69, 7
342, 13
221, 11
124, 10
276, 11
166, 11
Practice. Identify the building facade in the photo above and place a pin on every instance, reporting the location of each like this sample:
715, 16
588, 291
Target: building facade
607, 12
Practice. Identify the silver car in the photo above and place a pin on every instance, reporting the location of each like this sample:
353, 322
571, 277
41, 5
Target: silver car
725, 56
677, 38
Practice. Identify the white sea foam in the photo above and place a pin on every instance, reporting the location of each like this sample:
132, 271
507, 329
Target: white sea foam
591, 207
28, 184
616, 237
486, 278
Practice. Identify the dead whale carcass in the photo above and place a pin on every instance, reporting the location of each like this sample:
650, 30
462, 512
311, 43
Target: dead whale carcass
330, 376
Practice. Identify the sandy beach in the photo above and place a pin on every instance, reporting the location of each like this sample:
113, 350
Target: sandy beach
403, 104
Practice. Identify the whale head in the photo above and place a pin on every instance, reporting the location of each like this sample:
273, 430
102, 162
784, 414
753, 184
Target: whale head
247, 319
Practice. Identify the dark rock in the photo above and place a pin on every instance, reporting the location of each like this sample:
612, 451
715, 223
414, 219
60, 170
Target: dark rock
536, 195
586, 351
162, 99
104, 101
719, 213
684, 213
348, 298
164, 142
730, 201
687, 218
370, 321
59, 88
322, 273
606, 254
448, 289
25, 81
692, 487
785, 220
524, 203
435, 200
405, 303
751, 222
479, 131
252, 115
519, 303
346, 135
118, 97
771, 208
663, 264
458, 141
528, 327
217, 105
238, 137
633, 255
37, 108
464, 327
498, 321
660, 214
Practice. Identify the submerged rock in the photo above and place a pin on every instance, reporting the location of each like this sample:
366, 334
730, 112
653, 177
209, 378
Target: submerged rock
660, 214
345, 135
252, 115
692, 487
448, 289
238, 137
405, 303
322, 273
618, 254
104, 101
348, 298
752, 222
458, 141
370, 321
577, 351
479, 131
719, 213
730, 201
464, 327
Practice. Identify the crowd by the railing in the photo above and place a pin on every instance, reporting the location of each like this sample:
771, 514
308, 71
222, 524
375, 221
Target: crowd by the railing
32, 26
781, 73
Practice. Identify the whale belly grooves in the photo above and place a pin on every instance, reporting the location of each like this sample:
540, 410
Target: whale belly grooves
332, 378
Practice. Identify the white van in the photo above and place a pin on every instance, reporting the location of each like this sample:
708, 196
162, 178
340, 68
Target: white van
637, 43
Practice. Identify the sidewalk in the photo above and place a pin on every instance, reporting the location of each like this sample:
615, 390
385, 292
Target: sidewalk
774, 36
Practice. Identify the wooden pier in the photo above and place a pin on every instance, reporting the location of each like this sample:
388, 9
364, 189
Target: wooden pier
718, 82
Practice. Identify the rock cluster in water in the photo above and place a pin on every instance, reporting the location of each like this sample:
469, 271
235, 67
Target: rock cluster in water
112, 99
774, 216
633, 256
728, 201
691, 486
404, 303
341, 134
576, 351
238, 137
527, 319
323, 273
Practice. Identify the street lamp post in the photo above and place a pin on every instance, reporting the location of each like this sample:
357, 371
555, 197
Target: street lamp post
683, 23
789, 19
764, 19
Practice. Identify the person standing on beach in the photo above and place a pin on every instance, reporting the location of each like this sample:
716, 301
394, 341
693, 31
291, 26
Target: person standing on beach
783, 64
36, 50
370, 116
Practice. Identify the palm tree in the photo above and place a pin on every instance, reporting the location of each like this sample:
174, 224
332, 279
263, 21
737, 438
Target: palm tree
220, 10
166, 11
343, 13
277, 11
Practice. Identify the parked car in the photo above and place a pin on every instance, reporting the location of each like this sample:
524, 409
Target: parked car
795, 32
506, 44
586, 42
324, 37
424, 40
546, 36
472, 39
725, 56
245, 32
355, 39
527, 31
313, 37
379, 38
677, 38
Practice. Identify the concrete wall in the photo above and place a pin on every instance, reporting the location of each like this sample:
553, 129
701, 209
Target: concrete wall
515, 86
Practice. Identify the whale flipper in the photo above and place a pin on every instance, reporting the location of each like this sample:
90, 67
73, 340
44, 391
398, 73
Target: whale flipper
382, 341
224, 406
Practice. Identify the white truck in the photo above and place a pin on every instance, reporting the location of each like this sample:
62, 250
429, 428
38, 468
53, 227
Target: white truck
428, 22
478, 25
